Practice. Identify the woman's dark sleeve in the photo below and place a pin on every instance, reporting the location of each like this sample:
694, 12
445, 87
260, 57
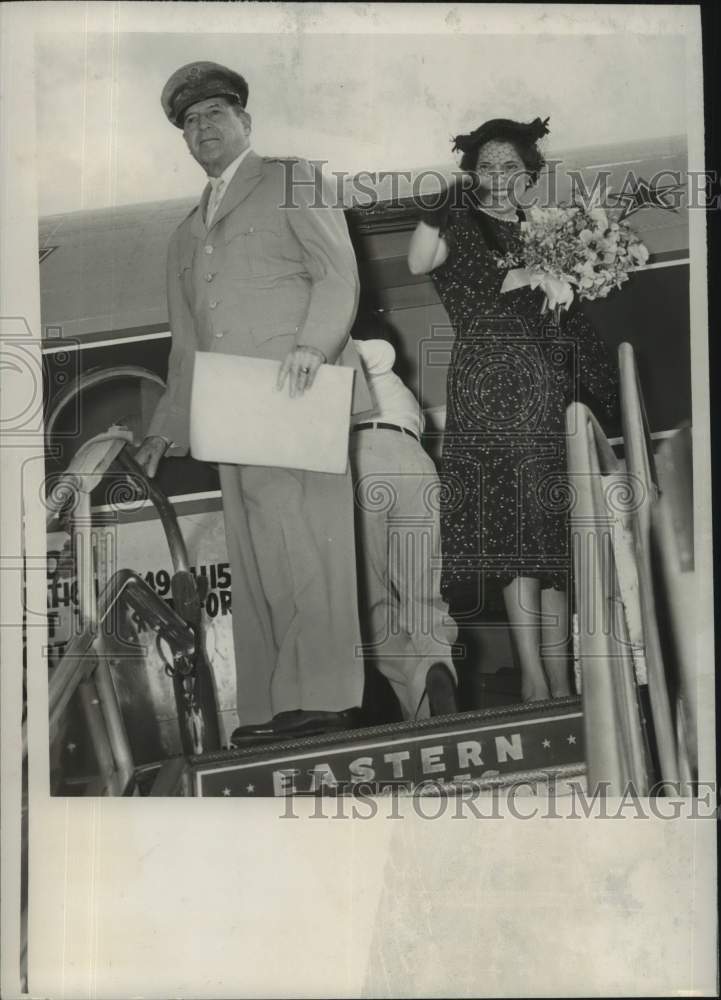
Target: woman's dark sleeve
597, 367
459, 269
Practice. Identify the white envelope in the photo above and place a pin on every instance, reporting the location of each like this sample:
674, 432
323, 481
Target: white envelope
239, 417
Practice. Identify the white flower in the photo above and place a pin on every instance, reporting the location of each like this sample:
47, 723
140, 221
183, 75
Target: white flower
536, 215
575, 245
598, 215
638, 252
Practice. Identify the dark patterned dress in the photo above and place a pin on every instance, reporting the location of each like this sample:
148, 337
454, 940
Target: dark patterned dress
512, 374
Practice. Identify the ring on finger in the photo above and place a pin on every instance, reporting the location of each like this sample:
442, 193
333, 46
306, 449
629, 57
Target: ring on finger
306, 371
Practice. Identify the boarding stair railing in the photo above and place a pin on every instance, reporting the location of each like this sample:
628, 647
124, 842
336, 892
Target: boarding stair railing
640, 709
84, 667
664, 587
617, 750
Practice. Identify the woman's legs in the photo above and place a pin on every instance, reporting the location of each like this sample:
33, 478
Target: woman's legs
554, 647
522, 598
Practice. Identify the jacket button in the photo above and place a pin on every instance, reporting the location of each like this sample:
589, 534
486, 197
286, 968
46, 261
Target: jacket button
214, 304
209, 276
219, 334
208, 248
251, 230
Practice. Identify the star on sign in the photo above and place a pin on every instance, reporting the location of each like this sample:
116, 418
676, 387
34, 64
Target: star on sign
645, 195
571, 739
71, 747
546, 744
250, 788
226, 791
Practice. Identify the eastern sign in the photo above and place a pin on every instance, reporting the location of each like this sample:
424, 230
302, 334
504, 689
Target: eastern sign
482, 745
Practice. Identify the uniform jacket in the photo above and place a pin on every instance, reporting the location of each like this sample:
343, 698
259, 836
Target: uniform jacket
272, 271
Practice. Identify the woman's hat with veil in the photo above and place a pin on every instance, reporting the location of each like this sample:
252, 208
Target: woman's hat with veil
502, 130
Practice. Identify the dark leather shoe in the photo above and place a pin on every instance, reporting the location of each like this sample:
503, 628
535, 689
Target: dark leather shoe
441, 690
291, 725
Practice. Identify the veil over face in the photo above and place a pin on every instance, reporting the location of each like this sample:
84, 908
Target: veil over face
501, 171
523, 137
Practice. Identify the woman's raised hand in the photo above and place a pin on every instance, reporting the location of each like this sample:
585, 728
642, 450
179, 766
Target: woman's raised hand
428, 249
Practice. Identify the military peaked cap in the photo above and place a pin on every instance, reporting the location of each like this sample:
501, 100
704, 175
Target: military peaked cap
199, 81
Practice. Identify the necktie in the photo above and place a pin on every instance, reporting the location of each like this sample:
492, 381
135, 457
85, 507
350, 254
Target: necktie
216, 196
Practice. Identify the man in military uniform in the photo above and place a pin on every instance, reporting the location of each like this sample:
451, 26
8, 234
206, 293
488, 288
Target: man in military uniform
265, 268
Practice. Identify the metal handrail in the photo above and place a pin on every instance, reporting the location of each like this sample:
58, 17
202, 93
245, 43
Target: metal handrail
640, 463
614, 738
672, 541
165, 509
77, 663
195, 693
83, 665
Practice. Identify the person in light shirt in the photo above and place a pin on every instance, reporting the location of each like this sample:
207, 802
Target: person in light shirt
405, 624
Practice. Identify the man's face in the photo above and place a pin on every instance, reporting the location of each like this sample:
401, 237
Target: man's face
216, 133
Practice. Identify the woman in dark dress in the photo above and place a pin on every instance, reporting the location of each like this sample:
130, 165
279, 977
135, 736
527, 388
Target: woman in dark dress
513, 372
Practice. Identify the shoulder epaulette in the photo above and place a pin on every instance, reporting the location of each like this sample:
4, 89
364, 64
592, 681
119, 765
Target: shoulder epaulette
282, 159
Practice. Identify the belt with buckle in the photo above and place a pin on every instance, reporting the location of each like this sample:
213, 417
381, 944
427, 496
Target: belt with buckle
373, 424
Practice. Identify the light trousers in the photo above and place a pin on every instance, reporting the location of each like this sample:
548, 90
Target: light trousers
405, 622
296, 629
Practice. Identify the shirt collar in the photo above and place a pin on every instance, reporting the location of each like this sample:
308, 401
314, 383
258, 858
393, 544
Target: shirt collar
230, 170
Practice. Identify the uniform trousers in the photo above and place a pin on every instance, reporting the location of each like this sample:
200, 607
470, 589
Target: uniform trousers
405, 622
296, 630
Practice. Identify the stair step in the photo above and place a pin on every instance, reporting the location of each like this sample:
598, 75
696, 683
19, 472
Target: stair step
494, 746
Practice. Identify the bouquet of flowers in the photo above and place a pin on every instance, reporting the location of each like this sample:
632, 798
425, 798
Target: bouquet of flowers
572, 249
